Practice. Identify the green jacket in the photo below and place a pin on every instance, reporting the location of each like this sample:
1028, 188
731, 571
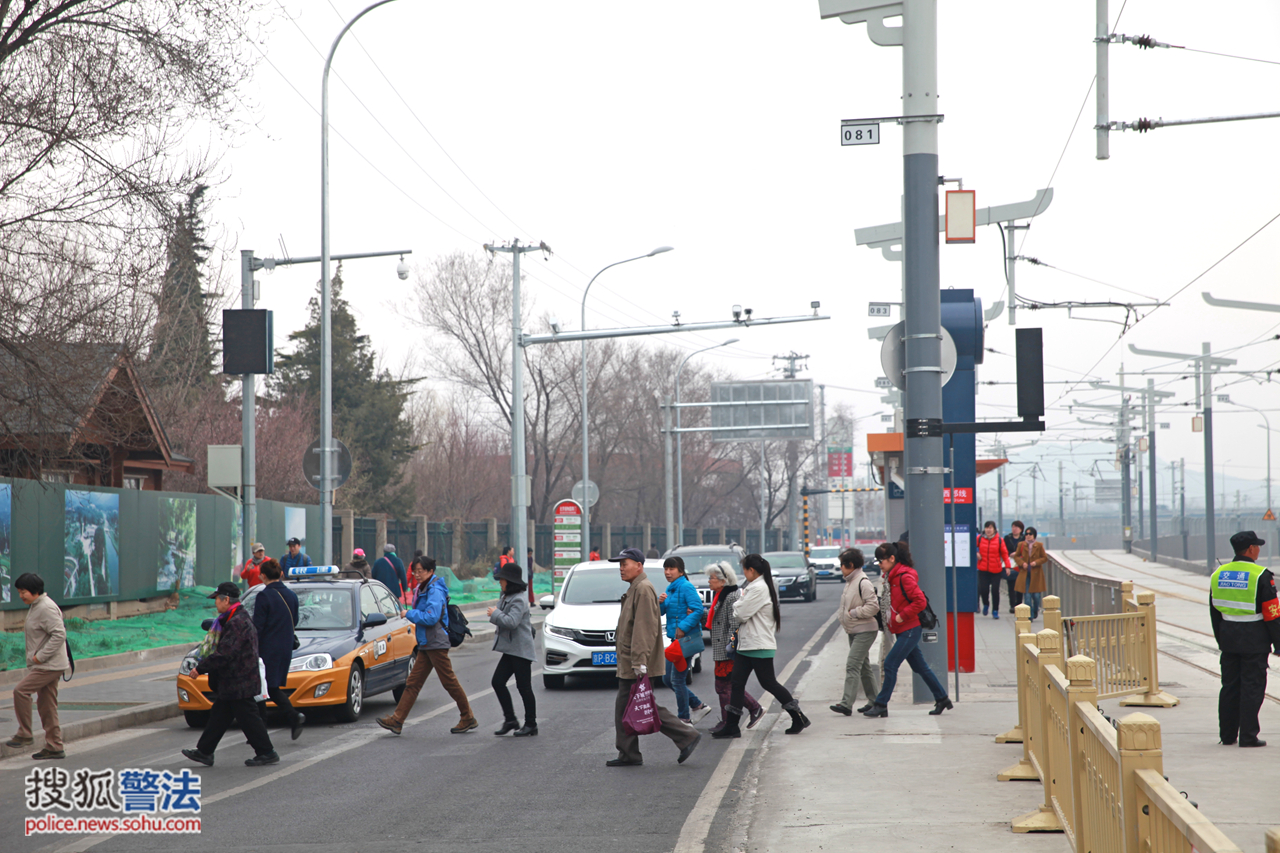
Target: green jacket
1244, 608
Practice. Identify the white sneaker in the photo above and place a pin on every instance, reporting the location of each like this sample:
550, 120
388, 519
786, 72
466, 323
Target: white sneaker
696, 714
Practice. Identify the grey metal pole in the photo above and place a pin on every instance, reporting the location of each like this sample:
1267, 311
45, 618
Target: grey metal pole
1151, 465
1062, 508
1126, 477
666, 473
1000, 454
1011, 271
953, 632
248, 418
520, 501
1102, 43
1206, 389
923, 455
326, 333
764, 521
679, 437
824, 483
1182, 500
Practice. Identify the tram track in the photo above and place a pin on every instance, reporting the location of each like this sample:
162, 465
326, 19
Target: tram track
1204, 592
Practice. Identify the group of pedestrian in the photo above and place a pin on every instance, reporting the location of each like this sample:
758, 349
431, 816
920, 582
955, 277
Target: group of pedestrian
1025, 578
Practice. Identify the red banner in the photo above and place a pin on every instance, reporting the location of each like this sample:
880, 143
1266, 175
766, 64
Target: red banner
963, 496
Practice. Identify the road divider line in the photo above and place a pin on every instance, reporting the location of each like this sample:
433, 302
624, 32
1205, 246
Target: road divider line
697, 826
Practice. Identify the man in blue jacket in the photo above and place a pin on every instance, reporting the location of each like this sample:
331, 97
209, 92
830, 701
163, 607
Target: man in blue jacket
389, 571
275, 615
430, 613
295, 557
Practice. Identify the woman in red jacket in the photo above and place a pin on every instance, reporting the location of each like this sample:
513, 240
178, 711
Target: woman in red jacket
993, 564
907, 601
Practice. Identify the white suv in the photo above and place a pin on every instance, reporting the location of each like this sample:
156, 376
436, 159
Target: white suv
578, 634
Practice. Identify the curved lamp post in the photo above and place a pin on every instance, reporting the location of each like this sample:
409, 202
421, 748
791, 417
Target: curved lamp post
586, 464
679, 436
326, 333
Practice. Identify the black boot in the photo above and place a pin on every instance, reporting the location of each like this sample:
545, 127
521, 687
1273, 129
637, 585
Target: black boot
731, 718
799, 722
507, 726
876, 710
943, 704
529, 729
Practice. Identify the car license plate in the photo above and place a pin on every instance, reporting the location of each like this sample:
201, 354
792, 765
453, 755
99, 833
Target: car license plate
782, 589
604, 658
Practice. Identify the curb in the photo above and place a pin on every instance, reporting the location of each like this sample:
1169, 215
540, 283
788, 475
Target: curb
84, 665
124, 719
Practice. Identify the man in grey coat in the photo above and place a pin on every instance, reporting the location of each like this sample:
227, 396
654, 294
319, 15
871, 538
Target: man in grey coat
46, 642
639, 641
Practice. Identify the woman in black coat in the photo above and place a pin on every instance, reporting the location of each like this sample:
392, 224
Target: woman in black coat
275, 614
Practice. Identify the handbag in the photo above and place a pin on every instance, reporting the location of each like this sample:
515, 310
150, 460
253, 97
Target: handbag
641, 715
262, 682
296, 641
691, 644
732, 646
928, 619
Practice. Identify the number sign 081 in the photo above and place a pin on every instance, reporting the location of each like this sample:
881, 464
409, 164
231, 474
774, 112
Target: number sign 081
860, 134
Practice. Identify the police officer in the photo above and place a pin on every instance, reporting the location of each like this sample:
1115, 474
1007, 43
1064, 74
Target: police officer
1245, 613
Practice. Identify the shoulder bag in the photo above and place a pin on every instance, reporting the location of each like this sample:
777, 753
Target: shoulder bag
928, 619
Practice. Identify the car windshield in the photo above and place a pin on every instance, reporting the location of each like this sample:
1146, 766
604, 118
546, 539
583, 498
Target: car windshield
324, 608
697, 564
602, 586
786, 560
824, 553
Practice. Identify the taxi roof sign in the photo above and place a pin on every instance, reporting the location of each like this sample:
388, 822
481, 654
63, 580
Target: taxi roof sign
312, 571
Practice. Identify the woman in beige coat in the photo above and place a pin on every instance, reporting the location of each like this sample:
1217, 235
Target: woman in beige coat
859, 606
1031, 558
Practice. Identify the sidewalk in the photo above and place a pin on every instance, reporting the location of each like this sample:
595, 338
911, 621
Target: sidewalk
912, 782
140, 689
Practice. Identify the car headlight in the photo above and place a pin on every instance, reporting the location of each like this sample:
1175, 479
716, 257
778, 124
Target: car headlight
311, 663
785, 581
182, 694
187, 666
560, 632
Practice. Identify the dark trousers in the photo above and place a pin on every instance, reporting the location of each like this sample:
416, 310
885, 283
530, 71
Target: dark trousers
276, 694
424, 661
628, 743
1015, 597
244, 711
743, 666
907, 648
1244, 680
724, 689
990, 581
509, 665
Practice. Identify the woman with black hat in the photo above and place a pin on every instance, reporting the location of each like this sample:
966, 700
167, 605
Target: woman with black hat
514, 639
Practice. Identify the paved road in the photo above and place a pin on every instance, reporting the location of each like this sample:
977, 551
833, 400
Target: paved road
355, 787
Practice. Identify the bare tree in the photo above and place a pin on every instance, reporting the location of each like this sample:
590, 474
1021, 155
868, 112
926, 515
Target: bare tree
98, 103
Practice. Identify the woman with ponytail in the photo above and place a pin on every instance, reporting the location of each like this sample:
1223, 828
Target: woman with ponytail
759, 617
907, 600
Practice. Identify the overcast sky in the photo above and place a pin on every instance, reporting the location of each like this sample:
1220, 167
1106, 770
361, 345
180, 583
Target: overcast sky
607, 129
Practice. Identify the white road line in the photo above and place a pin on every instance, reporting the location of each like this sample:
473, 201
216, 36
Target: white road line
693, 835
344, 743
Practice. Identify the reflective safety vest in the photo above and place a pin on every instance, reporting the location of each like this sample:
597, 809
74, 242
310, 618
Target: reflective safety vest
1234, 591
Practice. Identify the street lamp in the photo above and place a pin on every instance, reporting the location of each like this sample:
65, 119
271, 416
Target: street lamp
326, 333
586, 463
679, 443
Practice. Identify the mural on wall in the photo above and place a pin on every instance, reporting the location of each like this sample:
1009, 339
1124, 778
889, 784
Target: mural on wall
177, 532
295, 525
92, 537
6, 528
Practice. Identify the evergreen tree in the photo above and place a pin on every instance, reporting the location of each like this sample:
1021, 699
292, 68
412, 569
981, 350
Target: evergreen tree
368, 405
182, 350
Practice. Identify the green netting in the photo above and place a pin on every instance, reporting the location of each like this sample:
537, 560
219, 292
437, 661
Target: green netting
463, 592
108, 636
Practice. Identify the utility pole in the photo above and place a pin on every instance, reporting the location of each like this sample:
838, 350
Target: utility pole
789, 371
825, 503
519, 482
248, 421
1062, 507
1000, 454
1011, 266
1205, 371
673, 538
1126, 484
1182, 500
1151, 465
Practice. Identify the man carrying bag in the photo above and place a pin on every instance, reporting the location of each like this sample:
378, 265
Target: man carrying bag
640, 649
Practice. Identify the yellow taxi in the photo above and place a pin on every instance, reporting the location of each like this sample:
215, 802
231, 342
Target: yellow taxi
353, 641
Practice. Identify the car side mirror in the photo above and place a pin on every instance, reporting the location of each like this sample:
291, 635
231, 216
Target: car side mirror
206, 625
547, 602
373, 620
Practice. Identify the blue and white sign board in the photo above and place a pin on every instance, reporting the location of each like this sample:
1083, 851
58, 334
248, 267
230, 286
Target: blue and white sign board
313, 571
964, 545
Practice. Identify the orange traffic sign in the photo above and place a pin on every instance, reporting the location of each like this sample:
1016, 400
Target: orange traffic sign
1269, 516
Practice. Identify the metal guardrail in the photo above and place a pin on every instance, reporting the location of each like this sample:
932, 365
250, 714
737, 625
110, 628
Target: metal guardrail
1082, 593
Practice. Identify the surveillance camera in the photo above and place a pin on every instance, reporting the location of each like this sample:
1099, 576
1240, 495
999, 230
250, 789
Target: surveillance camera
815, 305
402, 269
737, 312
555, 326
747, 311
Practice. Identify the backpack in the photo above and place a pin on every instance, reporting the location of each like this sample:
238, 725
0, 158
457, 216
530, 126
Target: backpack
457, 628
928, 619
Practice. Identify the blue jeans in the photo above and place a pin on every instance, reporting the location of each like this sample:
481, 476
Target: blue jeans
678, 682
907, 647
1032, 600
